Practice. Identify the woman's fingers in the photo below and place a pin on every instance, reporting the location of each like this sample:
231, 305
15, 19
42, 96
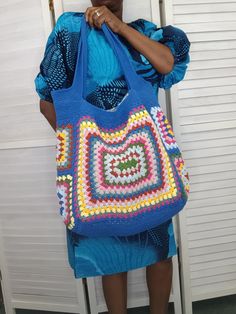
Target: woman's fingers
98, 20
89, 15
105, 15
93, 18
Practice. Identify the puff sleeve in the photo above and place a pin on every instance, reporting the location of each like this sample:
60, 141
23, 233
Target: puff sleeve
179, 44
52, 69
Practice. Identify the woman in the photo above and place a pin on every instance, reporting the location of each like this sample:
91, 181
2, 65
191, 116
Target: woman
161, 56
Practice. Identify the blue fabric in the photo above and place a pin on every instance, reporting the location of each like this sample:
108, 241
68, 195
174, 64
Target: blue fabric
58, 64
105, 88
100, 181
91, 256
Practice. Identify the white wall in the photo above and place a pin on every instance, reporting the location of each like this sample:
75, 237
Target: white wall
204, 118
33, 256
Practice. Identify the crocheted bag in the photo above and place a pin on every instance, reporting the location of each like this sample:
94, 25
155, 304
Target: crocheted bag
119, 171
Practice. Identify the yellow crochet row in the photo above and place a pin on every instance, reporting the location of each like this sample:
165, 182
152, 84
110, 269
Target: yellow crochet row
169, 127
62, 145
116, 134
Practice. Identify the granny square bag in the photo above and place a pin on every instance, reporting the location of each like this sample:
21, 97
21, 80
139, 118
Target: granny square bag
119, 171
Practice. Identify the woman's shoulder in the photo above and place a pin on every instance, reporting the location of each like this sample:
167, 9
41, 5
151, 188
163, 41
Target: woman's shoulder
70, 20
69, 15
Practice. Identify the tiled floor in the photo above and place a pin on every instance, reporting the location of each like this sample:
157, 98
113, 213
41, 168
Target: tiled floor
222, 305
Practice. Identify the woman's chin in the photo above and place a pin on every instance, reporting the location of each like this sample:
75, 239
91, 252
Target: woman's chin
109, 3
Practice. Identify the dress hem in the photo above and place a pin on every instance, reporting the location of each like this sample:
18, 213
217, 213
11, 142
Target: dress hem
125, 270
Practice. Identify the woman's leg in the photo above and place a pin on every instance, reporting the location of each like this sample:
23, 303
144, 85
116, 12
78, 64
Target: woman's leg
115, 292
159, 282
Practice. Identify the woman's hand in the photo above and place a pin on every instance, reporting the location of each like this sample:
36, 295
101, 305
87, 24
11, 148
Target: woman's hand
105, 15
159, 55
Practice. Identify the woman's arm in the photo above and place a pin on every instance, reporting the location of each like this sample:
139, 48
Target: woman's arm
48, 110
53, 70
159, 55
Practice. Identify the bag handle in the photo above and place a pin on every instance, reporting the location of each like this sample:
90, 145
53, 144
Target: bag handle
82, 58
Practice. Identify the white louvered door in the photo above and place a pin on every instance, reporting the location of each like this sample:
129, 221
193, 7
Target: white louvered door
204, 118
137, 289
33, 257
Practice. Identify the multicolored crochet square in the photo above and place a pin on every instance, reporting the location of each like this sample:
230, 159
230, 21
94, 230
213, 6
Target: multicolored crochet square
64, 193
180, 165
64, 147
171, 145
165, 128
122, 171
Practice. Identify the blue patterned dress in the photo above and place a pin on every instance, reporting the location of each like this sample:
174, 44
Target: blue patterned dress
105, 88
